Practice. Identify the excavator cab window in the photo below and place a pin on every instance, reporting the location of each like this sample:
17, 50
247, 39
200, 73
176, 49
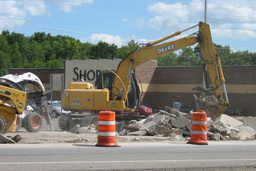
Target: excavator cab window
108, 78
133, 92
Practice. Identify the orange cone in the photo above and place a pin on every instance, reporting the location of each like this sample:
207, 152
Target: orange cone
107, 129
198, 133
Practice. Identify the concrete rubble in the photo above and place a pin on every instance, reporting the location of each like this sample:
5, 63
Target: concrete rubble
176, 124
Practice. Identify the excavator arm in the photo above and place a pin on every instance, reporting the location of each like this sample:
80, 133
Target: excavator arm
213, 66
155, 49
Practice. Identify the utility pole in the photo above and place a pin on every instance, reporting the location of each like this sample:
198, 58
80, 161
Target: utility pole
205, 11
205, 80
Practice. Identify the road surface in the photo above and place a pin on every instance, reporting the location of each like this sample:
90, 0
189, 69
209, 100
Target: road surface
130, 156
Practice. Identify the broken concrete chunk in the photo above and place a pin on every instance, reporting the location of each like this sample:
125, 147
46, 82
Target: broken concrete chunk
228, 129
216, 136
176, 131
228, 120
180, 122
167, 113
175, 111
133, 122
142, 121
234, 135
162, 130
210, 135
150, 127
134, 126
218, 127
86, 130
179, 138
158, 119
149, 118
246, 133
123, 132
137, 133
213, 136
75, 129
241, 120
222, 137
172, 110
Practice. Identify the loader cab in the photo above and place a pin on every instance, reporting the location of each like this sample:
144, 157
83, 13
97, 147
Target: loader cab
133, 92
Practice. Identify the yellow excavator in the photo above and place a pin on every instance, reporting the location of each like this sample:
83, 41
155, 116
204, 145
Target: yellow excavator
118, 91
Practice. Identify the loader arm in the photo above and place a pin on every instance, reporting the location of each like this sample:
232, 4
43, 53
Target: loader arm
155, 50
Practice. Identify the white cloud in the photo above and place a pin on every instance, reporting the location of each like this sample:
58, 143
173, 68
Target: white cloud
117, 40
37, 7
124, 19
174, 16
11, 14
67, 5
14, 12
228, 19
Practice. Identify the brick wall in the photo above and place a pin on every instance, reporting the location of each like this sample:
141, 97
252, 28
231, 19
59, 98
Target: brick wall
161, 86
170, 84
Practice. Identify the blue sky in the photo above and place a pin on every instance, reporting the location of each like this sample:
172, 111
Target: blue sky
233, 22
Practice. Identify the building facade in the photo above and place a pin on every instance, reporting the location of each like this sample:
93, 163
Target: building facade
162, 86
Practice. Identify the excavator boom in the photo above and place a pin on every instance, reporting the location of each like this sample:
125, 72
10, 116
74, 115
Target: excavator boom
154, 50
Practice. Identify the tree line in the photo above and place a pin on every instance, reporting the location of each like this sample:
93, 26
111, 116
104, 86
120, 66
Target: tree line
42, 50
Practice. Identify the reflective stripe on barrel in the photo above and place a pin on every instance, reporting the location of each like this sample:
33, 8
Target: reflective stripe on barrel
107, 133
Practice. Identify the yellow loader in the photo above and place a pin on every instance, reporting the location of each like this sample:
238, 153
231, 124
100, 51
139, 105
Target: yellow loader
12, 103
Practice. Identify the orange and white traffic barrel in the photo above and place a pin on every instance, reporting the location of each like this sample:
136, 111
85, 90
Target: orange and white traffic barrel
107, 129
198, 134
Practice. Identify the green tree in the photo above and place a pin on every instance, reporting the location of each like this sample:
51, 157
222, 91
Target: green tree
103, 50
42, 50
85, 50
132, 45
16, 56
168, 60
3, 63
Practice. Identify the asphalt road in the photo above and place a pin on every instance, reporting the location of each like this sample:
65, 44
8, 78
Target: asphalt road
130, 156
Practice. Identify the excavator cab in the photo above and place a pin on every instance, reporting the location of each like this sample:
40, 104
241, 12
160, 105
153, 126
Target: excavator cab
108, 78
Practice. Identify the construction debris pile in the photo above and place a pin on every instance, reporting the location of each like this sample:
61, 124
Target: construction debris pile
176, 124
